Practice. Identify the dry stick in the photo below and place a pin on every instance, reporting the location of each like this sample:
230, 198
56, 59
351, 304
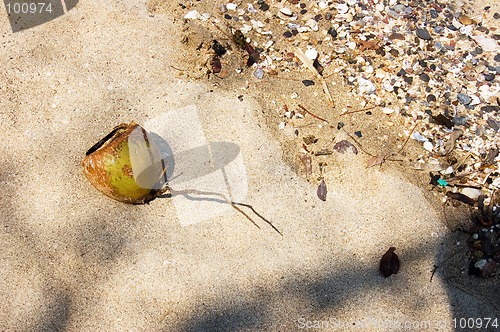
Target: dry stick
407, 139
361, 110
359, 144
312, 114
384, 158
305, 60
258, 214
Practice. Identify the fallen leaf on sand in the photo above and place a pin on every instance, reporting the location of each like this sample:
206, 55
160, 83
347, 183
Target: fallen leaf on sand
322, 191
344, 145
389, 264
375, 160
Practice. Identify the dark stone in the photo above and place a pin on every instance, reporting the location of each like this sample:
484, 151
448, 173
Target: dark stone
303, 11
328, 16
431, 98
489, 77
497, 58
408, 79
452, 27
424, 77
287, 34
227, 16
264, 7
434, 13
423, 34
218, 48
340, 125
422, 63
493, 124
464, 99
496, 16
401, 72
332, 32
358, 133
308, 82
490, 108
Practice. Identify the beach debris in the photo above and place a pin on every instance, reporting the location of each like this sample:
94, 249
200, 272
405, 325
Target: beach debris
216, 64
321, 192
389, 264
344, 145
127, 165
310, 139
374, 161
311, 113
305, 158
443, 121
434, 65
109, 165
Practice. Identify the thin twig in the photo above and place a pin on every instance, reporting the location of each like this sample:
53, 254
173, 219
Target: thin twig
407, 139
361, 110
258, 214
308, 63
359, 144
312, 114
179, 69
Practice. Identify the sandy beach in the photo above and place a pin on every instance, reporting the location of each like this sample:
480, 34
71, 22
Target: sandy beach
73, 259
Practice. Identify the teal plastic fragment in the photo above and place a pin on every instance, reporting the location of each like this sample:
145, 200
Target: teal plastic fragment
442, 182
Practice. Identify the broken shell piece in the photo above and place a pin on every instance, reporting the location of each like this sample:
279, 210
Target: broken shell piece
472, 193
428, 146
127, 165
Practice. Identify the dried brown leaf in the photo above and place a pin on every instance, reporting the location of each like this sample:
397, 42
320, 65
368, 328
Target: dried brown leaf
322, 190
375, 160
345, 145
389, 264
306, 160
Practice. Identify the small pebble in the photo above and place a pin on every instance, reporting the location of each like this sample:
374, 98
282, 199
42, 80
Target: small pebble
428, 146
471, 192
308, 82
311, 53
286, 11
464, 99
264, 7
358, 133
332, 32
496, 16
489, 77
287, 34
423, 34
231, 6
192, 15
424, 77
259, 73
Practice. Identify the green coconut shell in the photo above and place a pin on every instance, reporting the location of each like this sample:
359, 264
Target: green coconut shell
126, 165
